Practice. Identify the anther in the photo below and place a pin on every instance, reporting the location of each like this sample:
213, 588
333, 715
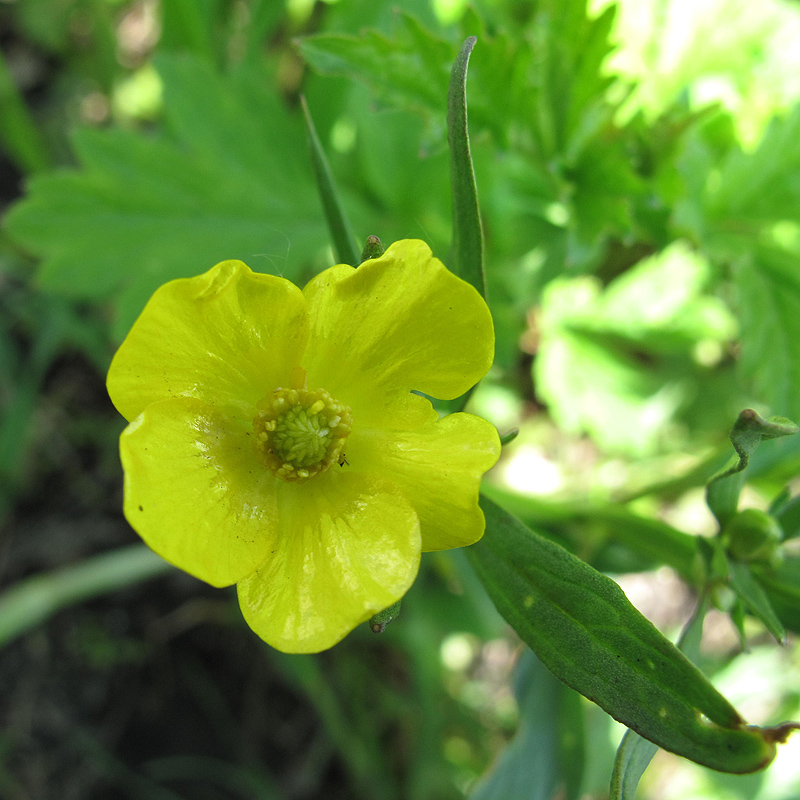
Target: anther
301, 433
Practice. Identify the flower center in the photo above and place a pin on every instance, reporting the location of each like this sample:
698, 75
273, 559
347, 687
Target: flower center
301, 433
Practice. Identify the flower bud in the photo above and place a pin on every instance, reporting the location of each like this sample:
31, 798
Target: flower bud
753, 535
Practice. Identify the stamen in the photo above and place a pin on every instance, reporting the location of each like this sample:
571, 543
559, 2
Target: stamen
301, 433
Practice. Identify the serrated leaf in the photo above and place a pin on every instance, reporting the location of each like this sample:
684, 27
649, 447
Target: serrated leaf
616, 363
569, 49
729, 52
583, 628
769, 300
754, 188
233, 181
410, 69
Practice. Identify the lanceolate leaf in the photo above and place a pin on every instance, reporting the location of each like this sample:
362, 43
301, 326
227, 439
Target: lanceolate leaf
753, 596
467, 255
587, 633
782, 584
635, 753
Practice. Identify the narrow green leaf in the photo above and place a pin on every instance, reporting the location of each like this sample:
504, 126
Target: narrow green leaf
633, 757
532, 766
738, 616
635, 753
789, 518
782, 584
754, 597
653, 541
722, 492
18, 131
338, 224
467, 254
31, 601
587, 633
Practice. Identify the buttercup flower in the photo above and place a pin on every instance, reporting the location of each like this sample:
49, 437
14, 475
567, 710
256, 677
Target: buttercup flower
276, 442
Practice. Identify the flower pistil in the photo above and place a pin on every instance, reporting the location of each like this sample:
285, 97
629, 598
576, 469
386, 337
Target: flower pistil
301, 433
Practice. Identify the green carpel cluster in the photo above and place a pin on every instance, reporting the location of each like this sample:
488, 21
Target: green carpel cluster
301, 433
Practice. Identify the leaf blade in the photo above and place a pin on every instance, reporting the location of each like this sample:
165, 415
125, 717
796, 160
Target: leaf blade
587, 633
467, 246
635, 753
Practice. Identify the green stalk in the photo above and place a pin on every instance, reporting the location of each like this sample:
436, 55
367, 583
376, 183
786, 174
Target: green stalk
338, 224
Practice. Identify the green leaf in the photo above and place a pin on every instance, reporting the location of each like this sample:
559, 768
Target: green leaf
727, 53
613, 527
467, 249
635, 753
758, 188
789, 518
33, 600
186, 26
18, 131
782, 584
756, 600
533, 765
587, 633
231, 182
409, 70
616, 362
340, 229
749, 430
768, 285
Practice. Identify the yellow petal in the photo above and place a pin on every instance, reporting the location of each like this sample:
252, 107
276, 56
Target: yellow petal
438, 467
348, 547
196, 491
397, 323
227, 337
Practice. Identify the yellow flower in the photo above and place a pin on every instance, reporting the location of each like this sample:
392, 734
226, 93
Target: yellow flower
275, 441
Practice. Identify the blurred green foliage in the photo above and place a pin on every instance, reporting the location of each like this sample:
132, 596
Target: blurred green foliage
638, 168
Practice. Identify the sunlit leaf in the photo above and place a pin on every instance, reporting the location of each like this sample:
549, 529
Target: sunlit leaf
769, 299
617, 363
233, 181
